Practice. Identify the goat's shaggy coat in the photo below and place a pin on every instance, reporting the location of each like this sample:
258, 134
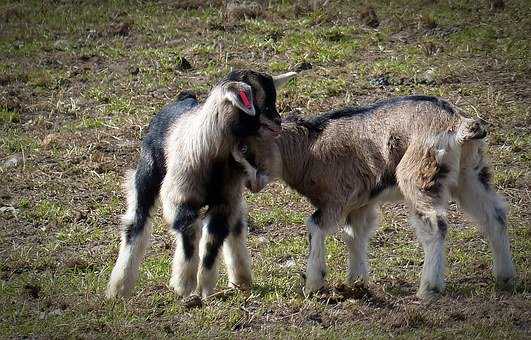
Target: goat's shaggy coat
186, 160
420, 149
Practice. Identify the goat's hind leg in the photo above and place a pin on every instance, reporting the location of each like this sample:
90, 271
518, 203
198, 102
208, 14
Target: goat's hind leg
477, 198
424, 178
356, 233
142, 189
431, 230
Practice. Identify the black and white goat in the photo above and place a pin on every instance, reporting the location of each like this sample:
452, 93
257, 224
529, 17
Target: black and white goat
420, 149
186, 160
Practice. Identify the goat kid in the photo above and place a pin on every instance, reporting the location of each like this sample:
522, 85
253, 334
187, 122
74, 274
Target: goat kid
347, 162
186, 160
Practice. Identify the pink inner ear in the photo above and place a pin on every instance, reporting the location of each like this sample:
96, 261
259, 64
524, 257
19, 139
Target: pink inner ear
245, 100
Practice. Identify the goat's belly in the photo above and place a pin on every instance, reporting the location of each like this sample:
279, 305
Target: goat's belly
391, 194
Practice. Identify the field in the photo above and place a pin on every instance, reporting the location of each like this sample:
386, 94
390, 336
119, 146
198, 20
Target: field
80, 82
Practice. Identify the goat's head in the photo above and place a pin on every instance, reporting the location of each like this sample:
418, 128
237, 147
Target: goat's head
260, 158
263, 96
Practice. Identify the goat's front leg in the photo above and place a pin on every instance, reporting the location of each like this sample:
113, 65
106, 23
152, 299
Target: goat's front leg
183, 223
215, 231
236, 254
321, 223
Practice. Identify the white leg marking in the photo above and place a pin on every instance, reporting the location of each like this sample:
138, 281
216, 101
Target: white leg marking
236, 257
356, 236
316, 266
125, 271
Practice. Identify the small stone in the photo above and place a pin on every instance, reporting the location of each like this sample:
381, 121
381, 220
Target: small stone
289, 263
382, 80
428, 77
50, 139
60, 45
193, 301
56, 312
262, 239
12, 161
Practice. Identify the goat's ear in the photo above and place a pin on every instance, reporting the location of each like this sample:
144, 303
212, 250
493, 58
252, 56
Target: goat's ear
282, 79
241, 96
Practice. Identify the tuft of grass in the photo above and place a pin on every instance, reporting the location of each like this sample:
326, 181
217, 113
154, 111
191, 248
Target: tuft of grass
8, 116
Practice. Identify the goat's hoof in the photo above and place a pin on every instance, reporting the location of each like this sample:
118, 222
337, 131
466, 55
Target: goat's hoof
204, 292
244, 286
312, 287
193, 301
505, 283
110, 293
182, 290
358, 282
113, 292
429, 293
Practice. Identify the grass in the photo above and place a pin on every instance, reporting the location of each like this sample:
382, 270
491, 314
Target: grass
77, 91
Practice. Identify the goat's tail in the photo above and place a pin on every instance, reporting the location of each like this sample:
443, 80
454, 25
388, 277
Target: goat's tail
470, 129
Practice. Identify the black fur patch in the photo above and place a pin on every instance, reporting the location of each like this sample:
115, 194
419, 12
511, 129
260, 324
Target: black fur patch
500, 216
442, 171
316, 217
484, 177
442, 226
245, 125
154, 140
318, 123
217, 183
388, 180
238, 228
185, 215
217, 228
147, 185
188, 236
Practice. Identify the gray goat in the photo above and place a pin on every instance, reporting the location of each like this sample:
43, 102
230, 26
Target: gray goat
419, 149
186, 160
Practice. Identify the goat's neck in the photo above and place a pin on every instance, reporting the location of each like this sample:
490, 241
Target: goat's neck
294, 147
211, 128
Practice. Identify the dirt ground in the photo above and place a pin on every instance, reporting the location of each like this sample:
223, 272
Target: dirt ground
80, 82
